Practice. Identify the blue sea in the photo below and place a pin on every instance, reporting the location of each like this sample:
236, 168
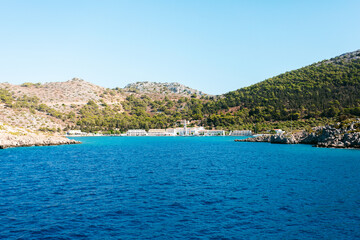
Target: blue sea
179, 188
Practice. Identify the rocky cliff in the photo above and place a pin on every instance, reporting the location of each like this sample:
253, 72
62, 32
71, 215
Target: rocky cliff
163, 88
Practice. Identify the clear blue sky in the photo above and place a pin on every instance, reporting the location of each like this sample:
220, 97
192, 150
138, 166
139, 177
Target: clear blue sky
213, 46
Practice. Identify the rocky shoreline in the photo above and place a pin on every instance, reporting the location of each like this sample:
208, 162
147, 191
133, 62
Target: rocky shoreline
327, 136
9, 140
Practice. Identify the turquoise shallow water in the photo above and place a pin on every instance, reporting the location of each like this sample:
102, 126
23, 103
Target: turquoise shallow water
179, 187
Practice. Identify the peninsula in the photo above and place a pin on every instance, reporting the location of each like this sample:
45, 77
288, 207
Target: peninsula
17, 137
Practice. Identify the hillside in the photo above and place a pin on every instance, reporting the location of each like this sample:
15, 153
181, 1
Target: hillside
317, 94
74, 91
79, 92
56, 106
330, 88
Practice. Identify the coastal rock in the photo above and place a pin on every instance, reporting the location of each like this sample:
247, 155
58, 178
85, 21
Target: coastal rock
283, 139
308, 138
9, 140
18, 137
327, 136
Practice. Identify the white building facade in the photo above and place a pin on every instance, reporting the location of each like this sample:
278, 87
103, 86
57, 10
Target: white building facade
159, 132
136, 132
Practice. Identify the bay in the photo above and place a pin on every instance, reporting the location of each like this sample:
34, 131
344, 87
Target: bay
179, 188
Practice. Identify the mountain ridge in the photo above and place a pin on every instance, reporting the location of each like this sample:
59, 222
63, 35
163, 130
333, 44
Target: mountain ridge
167, 88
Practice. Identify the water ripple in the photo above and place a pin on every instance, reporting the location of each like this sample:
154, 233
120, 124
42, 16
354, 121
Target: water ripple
179, 188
